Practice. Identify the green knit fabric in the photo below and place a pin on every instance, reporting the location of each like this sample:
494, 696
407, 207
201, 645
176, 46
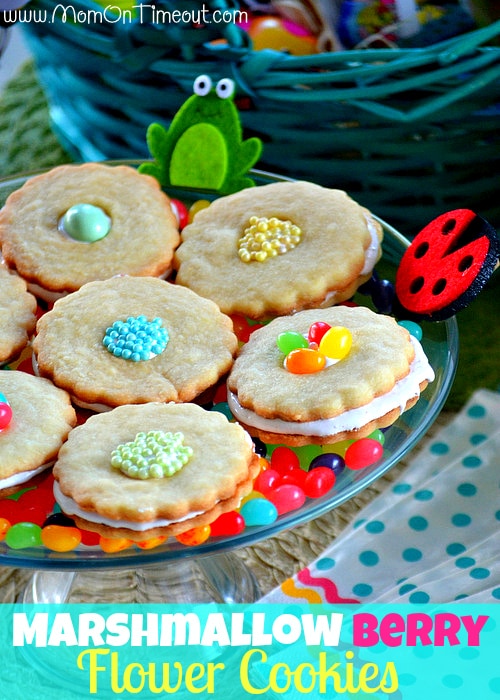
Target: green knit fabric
27, 143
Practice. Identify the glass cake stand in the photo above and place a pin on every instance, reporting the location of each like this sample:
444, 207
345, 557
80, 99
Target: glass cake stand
212, 572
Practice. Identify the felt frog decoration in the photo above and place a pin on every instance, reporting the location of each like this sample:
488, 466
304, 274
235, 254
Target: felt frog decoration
203, 147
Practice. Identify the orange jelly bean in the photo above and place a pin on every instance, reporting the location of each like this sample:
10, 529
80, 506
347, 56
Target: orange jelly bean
152, 542
197, 535
305, 361
60, 538
4, 527
110, 545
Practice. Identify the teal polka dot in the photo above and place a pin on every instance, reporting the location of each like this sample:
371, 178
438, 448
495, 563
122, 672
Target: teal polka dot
467, 490
496, 593
375, 527
423, 652
401, 488
369, 558
424, 495
468, 653
465, 562
406, 679
419, 597
439, 448
494, 685
362, 590
325, 563
418, 523
358, 523
461, 520
412, 554
477, 438
472, 462
479, 573
455, 548
452, 681
476, 411
461, 596
407, 588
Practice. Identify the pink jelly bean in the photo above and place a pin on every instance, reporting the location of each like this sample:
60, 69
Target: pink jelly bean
283, 459
318, 482
287, 497
363, 453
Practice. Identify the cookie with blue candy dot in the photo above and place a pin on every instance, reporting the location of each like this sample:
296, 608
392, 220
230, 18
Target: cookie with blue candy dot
132, 340
79, 223
35, 419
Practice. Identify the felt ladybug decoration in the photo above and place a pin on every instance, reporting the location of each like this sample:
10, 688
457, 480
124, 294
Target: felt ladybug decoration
446, 266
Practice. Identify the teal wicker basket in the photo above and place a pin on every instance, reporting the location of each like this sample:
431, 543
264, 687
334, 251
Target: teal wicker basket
409, 132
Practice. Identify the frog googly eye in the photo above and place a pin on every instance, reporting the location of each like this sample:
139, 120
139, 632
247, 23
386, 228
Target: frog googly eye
224, 88
202, 85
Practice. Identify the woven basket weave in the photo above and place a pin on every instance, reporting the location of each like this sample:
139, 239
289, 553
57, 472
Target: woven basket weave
409, 132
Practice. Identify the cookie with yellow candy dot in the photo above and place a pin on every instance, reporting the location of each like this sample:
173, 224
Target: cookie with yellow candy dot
79, 223
280, 248
195, 466
325, 375
17, 314
132, 340
37, 422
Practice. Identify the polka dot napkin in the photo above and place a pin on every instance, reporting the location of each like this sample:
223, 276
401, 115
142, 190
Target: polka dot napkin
432, 537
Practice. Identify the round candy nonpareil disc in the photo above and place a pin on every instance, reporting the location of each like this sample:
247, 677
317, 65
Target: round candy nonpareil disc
447, 265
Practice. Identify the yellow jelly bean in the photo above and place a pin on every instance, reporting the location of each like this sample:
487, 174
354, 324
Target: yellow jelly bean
250, 497
338, 448
336, 343
196, 207
304, 361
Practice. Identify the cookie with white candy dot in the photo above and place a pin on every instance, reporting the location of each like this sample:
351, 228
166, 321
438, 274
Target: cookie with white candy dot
35, 419
276, 249
153, 470
133, 340
78, 223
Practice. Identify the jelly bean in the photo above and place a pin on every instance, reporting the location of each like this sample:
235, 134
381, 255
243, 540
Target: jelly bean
253, 494
59, 538
413, 328
228, 525
180, 212
86, 223
241, 327
306, 453
152, 542
111, 545
295, 476
383, 296
318, 482
90, 539
328, 460
5, 415
338, 448
284, 459
259, 511
220, 394
223, 407
266, 481
290, 340
363, 453
23, 535
377, 435
10, 510
336, 343
317, 331
59, 519
259, 447
305, 361
196, 207
194, 536
4, 526
287, 498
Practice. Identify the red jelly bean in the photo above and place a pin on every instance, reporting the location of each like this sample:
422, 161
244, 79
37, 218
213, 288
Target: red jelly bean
266, 481
180, 211
10, 510
241, 328
318, 482
294, 476
363, 453
317, 331
287, 498
90, 539
283, 459
228, 525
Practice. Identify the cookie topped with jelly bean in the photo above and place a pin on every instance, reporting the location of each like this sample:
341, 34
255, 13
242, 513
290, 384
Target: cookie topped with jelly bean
153, 470
276, 249
79, 223
132, 340
325, 375
35, 419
